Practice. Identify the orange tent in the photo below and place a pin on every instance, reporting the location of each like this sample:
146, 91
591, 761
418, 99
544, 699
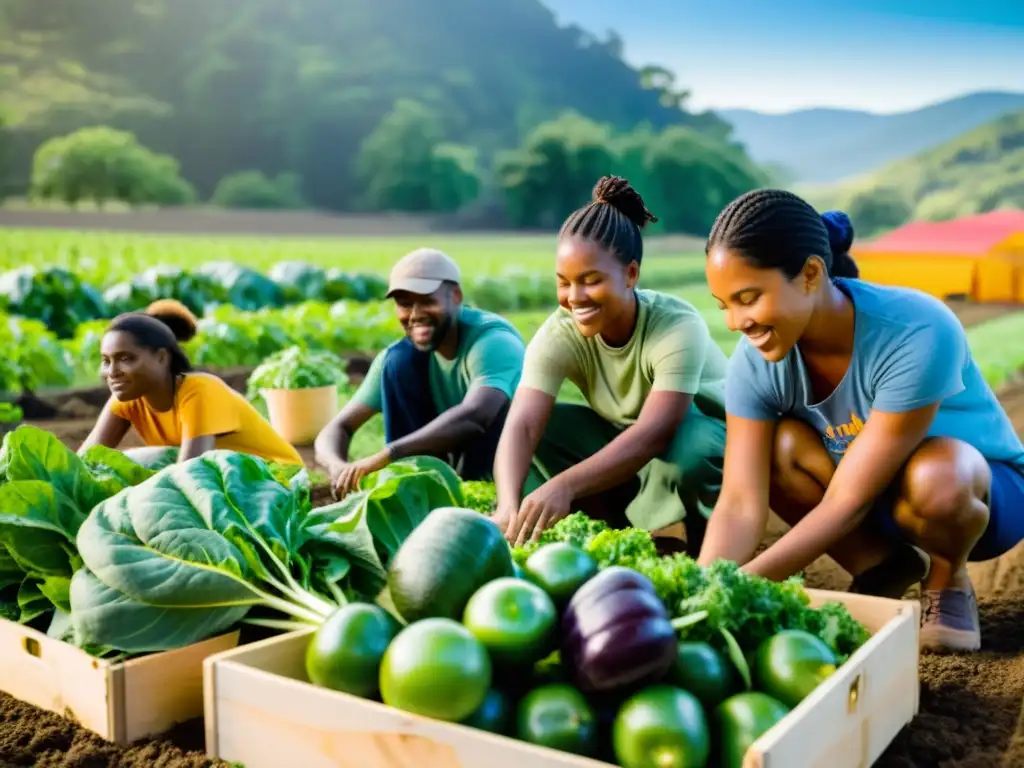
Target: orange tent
980, 257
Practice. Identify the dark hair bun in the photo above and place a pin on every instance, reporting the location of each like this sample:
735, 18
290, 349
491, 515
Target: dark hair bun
617, 192
840, 231
176, 316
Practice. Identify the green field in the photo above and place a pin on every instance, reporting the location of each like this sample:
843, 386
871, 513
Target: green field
103, 258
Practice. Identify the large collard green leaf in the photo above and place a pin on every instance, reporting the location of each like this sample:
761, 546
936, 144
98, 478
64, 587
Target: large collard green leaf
11, 573
113, 469
30, 453
37, 551
155, 457
103, 617
189, 551
37, 528
340, 546
192, 535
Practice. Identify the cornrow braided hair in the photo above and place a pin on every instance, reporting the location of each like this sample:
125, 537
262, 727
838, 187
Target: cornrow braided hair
776, 229
613, 219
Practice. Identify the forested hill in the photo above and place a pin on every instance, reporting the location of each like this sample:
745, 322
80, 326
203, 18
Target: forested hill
297, 85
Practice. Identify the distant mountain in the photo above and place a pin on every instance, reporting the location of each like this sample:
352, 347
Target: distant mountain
978, 172
826, 145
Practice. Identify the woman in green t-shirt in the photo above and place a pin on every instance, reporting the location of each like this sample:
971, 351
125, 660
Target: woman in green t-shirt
647, 449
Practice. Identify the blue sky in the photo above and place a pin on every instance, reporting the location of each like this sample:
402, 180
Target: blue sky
778, 55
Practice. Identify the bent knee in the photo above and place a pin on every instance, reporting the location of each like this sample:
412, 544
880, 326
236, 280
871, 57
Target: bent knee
798, 448
698, 450
944, 479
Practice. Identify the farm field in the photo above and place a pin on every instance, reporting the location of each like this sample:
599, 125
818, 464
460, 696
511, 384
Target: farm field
970, 704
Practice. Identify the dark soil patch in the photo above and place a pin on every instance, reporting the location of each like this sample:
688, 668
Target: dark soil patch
33, 737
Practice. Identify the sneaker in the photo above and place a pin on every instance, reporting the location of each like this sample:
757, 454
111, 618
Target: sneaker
891, 578
949, 620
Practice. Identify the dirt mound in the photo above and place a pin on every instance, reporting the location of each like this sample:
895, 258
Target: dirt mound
32, 737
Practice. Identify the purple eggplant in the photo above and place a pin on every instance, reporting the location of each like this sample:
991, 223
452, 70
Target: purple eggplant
616, 633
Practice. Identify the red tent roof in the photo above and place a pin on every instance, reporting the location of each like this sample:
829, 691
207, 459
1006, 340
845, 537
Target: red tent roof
969, 235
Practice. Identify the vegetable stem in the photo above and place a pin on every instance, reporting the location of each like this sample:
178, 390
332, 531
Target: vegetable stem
298, 611
287, 626
689, 620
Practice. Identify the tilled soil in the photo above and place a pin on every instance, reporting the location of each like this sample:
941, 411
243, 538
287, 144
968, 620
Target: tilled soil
971, 704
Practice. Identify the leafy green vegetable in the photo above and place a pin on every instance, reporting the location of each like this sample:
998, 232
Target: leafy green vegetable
56, 297
397, 498
46, 494
299, 281
479, 495
154, 457
245, 288
114, 469
32, 356
190, 551
196, 291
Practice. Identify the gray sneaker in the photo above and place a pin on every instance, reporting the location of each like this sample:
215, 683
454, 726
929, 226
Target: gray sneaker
949, 620
891, 578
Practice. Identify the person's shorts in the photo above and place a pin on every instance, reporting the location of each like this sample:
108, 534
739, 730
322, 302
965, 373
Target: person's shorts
1005, 513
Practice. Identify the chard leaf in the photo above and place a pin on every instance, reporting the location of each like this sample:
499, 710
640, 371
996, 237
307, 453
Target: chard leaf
187, 552
113, 469
57, 589
399, 497
153, 457
30, 453
32, 603
11, 573
111, 620
37, 528
341, 532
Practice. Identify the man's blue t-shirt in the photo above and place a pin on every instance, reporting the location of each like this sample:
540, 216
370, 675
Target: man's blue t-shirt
909, 350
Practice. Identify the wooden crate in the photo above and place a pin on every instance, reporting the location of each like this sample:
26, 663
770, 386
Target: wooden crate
120, 701
261, 711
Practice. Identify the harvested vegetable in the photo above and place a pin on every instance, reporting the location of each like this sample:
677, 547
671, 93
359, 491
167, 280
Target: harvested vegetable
495, 714
190, 551
616, 632
558, 716
664, 727
436, 668
704, 672
741, 720
749, 608
560, 569
514, 619
791, 664
450, 555
345, 652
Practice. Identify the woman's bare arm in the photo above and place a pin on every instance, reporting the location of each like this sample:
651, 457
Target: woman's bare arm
741, 514
109, 430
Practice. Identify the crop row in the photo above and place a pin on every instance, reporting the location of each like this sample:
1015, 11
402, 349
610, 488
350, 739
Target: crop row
32, 357
63, 301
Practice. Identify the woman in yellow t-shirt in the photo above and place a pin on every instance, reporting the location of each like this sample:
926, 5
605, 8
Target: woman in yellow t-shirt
156, 392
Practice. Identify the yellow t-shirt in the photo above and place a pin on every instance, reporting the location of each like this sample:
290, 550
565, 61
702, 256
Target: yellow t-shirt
205, 405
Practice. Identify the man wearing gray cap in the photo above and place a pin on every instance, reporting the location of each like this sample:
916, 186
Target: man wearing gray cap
443, 390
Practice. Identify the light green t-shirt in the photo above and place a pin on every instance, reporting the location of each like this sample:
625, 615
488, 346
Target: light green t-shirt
490, 354
671, 349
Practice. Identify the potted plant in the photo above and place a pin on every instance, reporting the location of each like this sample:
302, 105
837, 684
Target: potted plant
300, 388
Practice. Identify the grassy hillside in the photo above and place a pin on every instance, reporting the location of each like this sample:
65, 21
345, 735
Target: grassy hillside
235, 85
826, 145
981, 171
